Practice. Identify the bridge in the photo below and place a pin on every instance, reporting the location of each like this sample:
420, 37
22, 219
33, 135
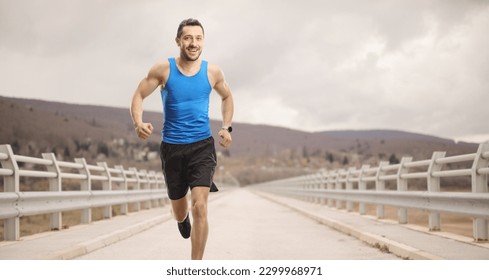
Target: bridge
321, 216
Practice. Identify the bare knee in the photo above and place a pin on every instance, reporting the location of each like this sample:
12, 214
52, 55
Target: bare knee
199, 210
180, 214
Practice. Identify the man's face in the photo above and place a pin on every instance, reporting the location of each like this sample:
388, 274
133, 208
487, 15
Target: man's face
191, 42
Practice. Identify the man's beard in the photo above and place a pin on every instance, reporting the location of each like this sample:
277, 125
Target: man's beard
184, 55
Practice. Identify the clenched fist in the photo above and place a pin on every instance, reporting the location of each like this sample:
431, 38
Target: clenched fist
226, 139
144, 130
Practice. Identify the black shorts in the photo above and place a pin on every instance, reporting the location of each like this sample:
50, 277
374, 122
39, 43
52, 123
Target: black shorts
188, 165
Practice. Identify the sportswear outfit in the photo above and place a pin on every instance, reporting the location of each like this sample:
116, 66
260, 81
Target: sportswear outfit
187, 151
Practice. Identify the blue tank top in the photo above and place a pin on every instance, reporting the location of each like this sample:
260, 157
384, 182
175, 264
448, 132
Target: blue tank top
186, 106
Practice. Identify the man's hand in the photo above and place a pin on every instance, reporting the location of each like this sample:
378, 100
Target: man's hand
226, 139
144, 130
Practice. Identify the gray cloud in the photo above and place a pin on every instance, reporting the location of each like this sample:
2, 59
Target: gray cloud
420, 66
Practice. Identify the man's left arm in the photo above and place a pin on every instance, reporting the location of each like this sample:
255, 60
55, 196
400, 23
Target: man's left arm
227, 106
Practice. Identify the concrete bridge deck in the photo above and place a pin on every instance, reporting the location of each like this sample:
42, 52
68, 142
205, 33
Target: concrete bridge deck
246, 225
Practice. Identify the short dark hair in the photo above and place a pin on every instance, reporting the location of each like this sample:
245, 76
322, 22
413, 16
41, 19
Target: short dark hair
188, 22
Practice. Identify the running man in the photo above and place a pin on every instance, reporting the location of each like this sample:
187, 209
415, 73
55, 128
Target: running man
187, 149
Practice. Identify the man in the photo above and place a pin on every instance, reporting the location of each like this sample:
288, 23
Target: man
187, 149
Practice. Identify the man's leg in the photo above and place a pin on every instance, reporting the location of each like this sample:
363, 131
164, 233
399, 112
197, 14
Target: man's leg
180, 208
180, 213
200, 225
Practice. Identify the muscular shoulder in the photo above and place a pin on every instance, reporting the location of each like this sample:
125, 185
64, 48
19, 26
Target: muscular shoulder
215, 74
160, 71
214, 70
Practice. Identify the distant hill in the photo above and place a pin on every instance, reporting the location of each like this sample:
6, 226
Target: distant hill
100, 132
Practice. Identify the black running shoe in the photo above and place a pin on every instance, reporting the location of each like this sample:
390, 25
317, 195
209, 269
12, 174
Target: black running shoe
185, 228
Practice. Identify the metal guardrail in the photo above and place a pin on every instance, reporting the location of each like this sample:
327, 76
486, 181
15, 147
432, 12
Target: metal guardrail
346, 186
139, 187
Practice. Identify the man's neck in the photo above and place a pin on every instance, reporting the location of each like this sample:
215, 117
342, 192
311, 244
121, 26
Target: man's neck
188, 66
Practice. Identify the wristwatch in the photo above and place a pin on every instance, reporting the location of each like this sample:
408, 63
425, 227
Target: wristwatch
228, 128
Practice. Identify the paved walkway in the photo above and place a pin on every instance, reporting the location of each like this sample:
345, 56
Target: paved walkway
245, 225
405, 241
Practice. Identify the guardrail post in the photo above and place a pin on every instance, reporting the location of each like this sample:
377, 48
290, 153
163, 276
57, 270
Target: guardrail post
161, 185
151, 176
55, 185
106, 186
349, 187
124, 207
479, 185
402, 186
307, 185
322, 185
434, 186
146, 184
317, 186
312, 186
11, 226
85, 185
330, 185
134, 171
305, 188
338, 186
362, 186
380, 186
157, 176
295, 188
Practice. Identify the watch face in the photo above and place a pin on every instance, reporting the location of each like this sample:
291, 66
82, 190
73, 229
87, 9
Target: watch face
230, 129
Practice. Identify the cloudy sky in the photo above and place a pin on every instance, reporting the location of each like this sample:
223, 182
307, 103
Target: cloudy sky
415, 65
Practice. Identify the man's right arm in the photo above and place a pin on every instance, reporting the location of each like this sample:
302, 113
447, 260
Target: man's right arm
147, 86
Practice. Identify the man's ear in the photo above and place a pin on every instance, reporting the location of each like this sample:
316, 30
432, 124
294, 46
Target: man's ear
177, 40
